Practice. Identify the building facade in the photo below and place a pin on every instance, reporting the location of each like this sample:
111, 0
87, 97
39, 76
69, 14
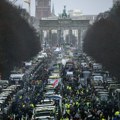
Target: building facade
43, 8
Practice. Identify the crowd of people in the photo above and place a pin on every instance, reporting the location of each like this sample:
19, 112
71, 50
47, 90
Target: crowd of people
81, 102
24, 101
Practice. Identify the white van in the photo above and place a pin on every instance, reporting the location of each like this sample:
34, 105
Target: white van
16, 77
96, 80
44, 113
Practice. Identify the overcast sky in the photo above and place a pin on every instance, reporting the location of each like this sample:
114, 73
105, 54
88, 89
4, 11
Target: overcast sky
85, 6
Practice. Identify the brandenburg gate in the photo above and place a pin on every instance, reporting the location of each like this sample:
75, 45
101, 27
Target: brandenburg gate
61, 23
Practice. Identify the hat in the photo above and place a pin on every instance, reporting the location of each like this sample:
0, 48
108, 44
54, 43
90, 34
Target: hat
117, 113
103, 119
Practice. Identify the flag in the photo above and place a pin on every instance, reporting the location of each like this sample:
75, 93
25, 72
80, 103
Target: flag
55, 83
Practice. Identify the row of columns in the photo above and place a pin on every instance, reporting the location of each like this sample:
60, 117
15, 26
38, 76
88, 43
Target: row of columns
60, 36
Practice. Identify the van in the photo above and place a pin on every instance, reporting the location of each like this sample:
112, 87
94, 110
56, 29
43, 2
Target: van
114, 86
97, 66
44, 113
16, 77
4, 82
57, 98
97, 80
103, 96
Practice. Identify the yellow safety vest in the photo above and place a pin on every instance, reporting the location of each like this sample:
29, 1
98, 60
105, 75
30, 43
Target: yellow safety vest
68, 105
23, 105
66, 119
20, 97
32, 105
68, 111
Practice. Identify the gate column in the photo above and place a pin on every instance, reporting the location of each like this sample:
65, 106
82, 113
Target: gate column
50, 37
59, 37
79, 40
70, 36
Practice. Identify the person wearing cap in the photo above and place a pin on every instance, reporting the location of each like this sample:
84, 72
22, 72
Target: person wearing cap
103, 119
117, 115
